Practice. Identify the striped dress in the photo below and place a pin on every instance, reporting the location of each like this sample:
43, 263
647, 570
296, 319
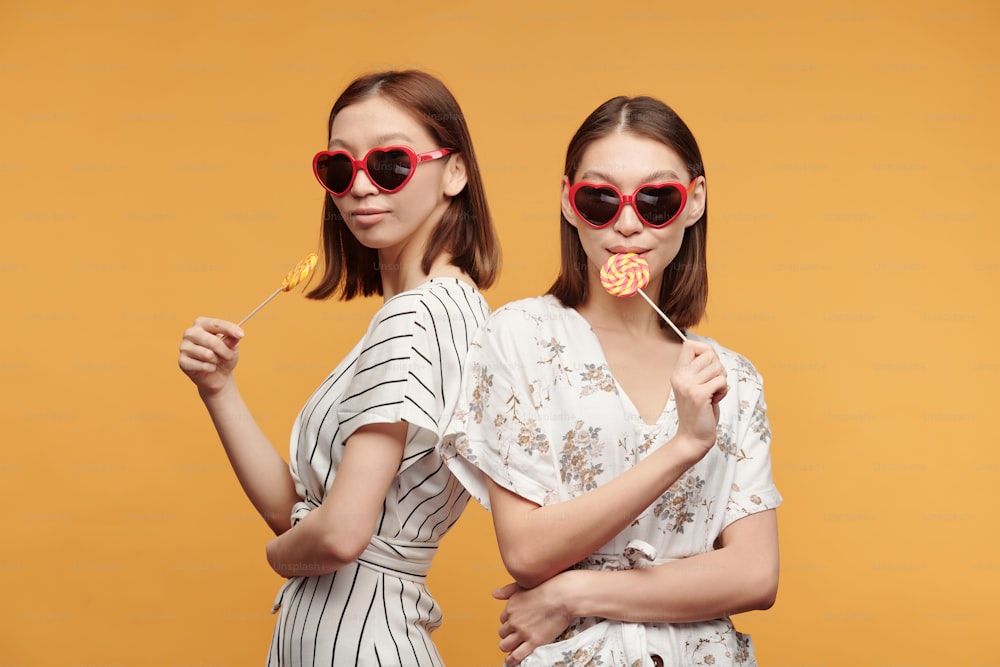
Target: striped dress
408, 367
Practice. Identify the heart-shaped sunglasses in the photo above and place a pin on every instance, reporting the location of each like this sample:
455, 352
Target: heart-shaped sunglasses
388, 168
656, 204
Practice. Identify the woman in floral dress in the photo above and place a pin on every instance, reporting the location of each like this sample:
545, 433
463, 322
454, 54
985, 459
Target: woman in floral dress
627, 471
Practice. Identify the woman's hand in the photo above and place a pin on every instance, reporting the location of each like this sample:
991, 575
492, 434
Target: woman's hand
533, 617
699, 383
209, 354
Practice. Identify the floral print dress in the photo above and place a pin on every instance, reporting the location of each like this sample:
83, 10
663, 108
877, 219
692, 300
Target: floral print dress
542, 415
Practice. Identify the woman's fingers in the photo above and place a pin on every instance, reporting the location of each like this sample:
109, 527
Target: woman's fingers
690, 350
191, 366
215, 326
217, 335
517, 655
208, 351
719, 386
210, 332
700, 372
704, 359
511, 643
505, 592
699, 383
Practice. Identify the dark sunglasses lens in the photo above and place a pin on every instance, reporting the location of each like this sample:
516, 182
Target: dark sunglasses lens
598, 206
335, 171
659, 206
389, 169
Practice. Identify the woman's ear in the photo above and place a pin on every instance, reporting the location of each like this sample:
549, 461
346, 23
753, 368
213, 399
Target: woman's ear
567, 209
455, 175
696, 202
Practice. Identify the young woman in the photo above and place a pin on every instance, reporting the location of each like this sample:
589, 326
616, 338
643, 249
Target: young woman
359, 514
627, 471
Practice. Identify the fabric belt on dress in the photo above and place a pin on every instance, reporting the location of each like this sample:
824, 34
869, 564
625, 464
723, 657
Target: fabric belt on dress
398, 558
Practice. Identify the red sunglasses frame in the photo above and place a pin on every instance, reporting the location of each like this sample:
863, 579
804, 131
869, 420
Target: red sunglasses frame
362, 165
624, 199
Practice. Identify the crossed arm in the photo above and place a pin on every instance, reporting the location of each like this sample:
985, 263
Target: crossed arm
336, 532
741, 574
539, 543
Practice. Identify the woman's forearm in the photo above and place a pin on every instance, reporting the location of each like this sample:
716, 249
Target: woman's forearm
338, 531
537, 543
309, 548
740, 576
261, 471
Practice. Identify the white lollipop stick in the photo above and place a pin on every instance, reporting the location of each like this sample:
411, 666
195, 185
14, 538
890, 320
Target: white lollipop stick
626, 273
301, 271
263, 303
661, 314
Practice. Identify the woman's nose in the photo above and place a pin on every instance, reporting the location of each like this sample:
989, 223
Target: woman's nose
628, 221
362, 185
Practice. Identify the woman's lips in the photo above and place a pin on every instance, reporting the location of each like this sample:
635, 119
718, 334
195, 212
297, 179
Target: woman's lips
367, 216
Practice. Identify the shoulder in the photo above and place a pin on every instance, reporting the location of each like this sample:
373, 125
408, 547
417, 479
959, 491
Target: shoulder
740, 369
535, 313
528, 330
446, 298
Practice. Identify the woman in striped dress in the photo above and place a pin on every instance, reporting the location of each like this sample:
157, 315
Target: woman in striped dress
359, 511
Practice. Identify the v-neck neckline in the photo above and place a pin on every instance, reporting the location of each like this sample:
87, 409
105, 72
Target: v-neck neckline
625, 399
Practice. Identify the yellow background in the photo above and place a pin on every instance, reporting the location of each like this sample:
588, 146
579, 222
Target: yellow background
154, 166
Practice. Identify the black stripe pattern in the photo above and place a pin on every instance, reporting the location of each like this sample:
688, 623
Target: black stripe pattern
408, 368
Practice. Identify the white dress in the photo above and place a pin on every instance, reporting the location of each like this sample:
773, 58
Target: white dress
408, 367
542, 415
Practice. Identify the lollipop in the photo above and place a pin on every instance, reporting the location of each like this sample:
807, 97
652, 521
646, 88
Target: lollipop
299, 273
625, 274
292, 278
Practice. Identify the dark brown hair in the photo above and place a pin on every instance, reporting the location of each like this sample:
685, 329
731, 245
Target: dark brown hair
684, 289
466, 228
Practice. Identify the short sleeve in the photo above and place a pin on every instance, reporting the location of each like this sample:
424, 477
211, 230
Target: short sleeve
496, 431
408, 370
753, 489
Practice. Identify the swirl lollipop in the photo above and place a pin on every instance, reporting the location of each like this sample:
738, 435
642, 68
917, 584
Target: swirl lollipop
301, 271
625, 274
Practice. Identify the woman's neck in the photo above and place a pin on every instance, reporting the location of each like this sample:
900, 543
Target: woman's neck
402, 276
628, 314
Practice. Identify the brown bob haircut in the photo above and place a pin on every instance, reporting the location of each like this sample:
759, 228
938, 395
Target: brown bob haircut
466, 228
684, 290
